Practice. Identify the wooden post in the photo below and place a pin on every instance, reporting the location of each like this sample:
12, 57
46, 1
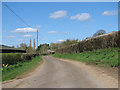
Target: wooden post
37, 37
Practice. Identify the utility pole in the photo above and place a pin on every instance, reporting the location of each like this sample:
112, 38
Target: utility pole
34, 43
37, 33
37, 37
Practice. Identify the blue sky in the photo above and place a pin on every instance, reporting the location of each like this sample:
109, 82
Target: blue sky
57, 21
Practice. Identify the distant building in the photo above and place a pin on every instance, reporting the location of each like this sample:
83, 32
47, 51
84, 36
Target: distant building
7, 49
51, 52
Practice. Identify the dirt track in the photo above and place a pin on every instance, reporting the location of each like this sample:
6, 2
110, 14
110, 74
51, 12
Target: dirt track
59, 73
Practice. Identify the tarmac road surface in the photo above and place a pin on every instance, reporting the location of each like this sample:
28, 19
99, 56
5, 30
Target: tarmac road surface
55, 73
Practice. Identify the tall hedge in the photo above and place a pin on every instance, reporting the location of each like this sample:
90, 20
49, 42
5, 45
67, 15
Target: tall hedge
13, 58
103, 41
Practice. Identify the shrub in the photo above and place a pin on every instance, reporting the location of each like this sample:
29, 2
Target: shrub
11, 58
27, 56
14, 58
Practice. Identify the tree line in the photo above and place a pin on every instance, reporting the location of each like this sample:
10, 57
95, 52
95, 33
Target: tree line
43, 48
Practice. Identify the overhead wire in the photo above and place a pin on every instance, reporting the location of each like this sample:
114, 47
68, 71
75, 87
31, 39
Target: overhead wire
16, 15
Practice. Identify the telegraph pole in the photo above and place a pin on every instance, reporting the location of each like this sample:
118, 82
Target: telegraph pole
37, 37
37, 34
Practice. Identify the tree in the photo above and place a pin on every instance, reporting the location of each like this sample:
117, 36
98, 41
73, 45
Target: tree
63, 44
18, 46
52, 45
99, 32
13, 46
87, 37
30, 43
42, 48
34, 43
23, 46
30, 50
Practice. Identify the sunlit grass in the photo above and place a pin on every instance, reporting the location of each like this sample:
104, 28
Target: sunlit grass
99, 57
12, 71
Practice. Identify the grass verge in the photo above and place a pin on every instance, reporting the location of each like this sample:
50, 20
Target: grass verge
20, 69
99, 57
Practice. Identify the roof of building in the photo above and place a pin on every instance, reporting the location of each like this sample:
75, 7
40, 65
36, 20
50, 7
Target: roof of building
8, 48
50, 51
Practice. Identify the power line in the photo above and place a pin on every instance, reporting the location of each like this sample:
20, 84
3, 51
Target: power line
16, 15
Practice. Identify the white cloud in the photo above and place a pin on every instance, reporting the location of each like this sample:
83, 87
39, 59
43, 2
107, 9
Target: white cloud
60, 40
25, 30
52, 32
66, 32
110, 13
11, 36
58, 14
27, 36
81, 17
20, 40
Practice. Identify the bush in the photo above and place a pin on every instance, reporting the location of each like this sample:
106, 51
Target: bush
14, 58
27, 56
11, 58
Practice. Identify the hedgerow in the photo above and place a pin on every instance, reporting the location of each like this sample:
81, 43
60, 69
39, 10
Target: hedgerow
103, 41
14, 58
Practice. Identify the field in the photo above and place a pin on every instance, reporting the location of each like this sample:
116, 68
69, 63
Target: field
12, 71
102, 57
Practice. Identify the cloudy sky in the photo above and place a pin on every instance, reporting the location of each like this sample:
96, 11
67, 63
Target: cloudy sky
57, 21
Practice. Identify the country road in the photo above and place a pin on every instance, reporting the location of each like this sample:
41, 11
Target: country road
56, 73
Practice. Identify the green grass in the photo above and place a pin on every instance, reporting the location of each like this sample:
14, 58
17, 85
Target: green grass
98, 57
20, 69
